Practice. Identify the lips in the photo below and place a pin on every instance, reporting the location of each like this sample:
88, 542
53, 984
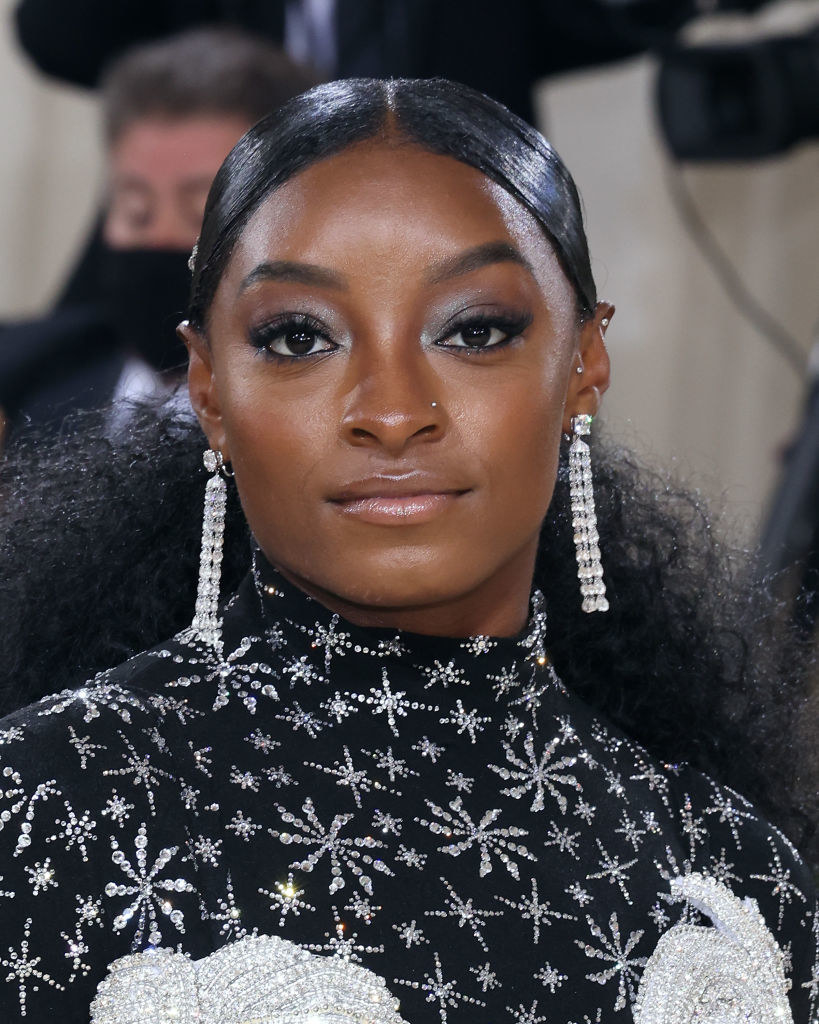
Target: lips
388, 500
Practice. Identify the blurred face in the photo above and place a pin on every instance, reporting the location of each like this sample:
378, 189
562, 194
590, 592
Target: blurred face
160, 171
390, 359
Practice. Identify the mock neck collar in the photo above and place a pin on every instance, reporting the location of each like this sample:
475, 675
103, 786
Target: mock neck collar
319, 638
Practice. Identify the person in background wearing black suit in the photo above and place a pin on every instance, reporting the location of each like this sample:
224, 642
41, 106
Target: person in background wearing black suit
499, 49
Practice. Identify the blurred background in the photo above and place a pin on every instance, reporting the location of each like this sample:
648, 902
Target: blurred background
691, 130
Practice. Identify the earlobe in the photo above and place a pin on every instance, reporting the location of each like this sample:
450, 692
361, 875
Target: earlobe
202, 386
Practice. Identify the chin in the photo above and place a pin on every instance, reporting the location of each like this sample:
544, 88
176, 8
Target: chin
404, 588
396, 583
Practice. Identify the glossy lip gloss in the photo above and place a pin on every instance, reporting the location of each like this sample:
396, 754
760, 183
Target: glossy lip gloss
398, 510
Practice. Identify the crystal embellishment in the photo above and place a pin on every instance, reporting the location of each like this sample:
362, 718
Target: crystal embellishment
732, 973
259, 980
206, 622
584, 519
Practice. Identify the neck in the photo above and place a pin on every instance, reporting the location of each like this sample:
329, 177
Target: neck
496, 607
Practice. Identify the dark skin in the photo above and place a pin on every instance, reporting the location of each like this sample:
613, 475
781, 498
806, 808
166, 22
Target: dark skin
390, 359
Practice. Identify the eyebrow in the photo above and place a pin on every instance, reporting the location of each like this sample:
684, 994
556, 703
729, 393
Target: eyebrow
288, 270
455, 266
475, 258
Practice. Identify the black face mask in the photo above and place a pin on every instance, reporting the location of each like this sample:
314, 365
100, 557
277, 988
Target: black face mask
145, 292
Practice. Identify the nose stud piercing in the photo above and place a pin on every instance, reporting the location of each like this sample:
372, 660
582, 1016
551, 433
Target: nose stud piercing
434, 405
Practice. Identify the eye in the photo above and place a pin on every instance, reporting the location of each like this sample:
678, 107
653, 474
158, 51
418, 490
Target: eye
476, 336
291, 339
298, 341
481, 333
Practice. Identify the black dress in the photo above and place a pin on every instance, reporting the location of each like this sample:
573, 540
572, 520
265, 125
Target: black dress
440, 811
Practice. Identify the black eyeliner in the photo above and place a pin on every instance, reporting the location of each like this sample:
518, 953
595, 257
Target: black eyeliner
264, 334
512, 325
260, 335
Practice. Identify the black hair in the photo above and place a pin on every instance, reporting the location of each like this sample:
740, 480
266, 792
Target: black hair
99, 530
203, 71
99, 547
442, 117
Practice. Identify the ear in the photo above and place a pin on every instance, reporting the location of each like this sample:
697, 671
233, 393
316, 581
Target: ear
591, 370
202, 387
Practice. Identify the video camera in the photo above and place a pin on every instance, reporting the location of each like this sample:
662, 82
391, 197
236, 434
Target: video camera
738, 101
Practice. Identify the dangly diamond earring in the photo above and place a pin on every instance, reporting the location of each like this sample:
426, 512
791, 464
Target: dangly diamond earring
584, 519
206, 623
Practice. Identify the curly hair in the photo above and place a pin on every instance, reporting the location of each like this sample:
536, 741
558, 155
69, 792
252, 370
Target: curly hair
99, 543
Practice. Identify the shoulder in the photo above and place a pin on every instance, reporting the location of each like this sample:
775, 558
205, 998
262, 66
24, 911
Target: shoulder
709, 831
716, 821
83, 750
60, 755
725, 838
158, 689
126, 697
95, 786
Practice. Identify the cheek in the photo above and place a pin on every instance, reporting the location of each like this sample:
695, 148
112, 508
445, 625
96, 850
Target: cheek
518, 442
274, 444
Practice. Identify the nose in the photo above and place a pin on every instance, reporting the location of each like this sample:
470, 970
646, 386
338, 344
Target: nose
394, 402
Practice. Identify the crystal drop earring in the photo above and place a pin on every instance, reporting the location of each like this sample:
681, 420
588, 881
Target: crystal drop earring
584, 519
206, 623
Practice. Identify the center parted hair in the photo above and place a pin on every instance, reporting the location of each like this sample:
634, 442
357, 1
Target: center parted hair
440, 116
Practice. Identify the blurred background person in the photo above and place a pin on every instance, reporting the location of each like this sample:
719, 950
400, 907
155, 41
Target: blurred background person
172, 110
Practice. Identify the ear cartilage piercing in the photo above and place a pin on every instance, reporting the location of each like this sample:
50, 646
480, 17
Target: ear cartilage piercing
584, 519
579, 368
604, 322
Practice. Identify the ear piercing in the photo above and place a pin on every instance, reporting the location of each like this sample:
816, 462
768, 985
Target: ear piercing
604, 322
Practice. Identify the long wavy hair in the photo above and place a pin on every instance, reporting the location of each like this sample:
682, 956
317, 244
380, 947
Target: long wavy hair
99, 528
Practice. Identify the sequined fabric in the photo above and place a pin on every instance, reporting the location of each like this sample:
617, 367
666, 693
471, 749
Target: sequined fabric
257, 980
441, 812
731, 973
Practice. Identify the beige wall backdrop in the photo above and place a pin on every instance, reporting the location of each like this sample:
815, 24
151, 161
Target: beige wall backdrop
49, 176
694, 385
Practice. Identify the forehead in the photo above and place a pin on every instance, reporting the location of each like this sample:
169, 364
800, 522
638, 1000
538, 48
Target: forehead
164, 148
377, 204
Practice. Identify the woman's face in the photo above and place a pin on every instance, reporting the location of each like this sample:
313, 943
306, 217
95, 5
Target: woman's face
390, 359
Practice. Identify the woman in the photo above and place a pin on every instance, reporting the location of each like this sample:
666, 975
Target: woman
390, 780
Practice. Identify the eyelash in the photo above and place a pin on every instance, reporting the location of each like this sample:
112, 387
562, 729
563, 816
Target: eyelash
510, 325
262, 337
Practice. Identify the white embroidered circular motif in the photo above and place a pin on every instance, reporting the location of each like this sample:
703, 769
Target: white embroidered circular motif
732, 973
259, 980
